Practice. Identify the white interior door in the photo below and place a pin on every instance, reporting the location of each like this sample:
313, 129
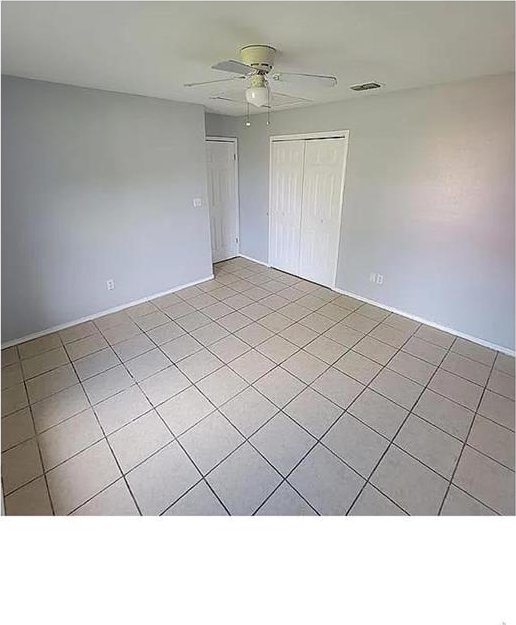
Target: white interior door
323, 180
222, 197
285, 204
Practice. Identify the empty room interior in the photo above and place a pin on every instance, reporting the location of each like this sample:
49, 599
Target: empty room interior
258, 258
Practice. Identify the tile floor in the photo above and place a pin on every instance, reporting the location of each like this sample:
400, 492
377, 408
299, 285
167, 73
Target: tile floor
256, 393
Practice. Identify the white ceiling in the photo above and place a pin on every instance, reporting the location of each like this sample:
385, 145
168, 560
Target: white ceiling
152, 48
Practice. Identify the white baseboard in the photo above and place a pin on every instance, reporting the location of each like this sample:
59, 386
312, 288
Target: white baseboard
462, 335
69, 324
260, 262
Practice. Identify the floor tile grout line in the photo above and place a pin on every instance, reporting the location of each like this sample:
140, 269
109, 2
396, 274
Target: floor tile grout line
299, 348
110, 448
466, 439
396, 432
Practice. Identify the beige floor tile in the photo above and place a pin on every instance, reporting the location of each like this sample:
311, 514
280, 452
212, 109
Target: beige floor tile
397, 388
58, 407
424, 350
51, 382
248, 411
276, 322
338, 387
251, 366
184, 410
279, 386
152, 320
285, 502
202, 301
344, 335
178, 309
403, 324
277, 349
69, 438
283, 443
466, 368
243, 481
305, 366
299, 334
86, 346
476, 352
345, 301
219, 309
199, 365
220, 386
374, 313
209, 334
133, 347
254, 334
199, 501
444, 413
295, 311
44, 362
234, 321
372, 502
147, 364
165, 333
163, 385
29, 500
229, 348
164, 301
106, 384
313, 411
375, 350
356, 444
502, 384
498, 408
80, 478
143, 309
378, 412
193, 321
210, 441
458, 389
11, 375
311, 302
162, 479
189, 293
325, 349
505, 364
181, 347
459, 503
38, 346
137, 440
20, 465
357, 366
430, 445
115, 500
389, 335
112, 320
10, 356
333, 312
255, 311
326, 482
486, 480
317, 322
121, 332
117, 411
493, 440
411, 367
359, 322
435, 336
414, 487
96, 363
17, 428
275, 301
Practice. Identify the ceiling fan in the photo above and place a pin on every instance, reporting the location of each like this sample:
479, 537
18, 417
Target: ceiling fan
255, 68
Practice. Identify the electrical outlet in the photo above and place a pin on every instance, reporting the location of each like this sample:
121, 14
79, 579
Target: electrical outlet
372, 277
110, 285
197, 202
379, 278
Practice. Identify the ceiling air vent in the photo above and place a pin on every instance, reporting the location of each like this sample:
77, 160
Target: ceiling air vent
366, 86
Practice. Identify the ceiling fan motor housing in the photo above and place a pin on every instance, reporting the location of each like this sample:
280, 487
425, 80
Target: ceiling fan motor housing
259, 57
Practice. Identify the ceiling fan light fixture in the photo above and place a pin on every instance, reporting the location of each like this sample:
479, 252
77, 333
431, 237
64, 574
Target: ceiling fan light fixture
259, 96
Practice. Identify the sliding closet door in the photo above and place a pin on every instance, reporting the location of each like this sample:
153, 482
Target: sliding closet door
285, 204
321, 207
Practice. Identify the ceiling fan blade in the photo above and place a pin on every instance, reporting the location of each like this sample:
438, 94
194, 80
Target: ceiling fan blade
209, 82
314, 80
233, 66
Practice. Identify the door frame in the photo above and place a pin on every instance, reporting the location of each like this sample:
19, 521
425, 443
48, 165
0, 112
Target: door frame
234, 141
330, 134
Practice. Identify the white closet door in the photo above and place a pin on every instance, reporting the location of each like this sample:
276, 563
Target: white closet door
285, 205
222, 199
322, 200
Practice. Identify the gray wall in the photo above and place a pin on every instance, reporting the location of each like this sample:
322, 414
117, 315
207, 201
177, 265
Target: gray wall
428, 202
96, 185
